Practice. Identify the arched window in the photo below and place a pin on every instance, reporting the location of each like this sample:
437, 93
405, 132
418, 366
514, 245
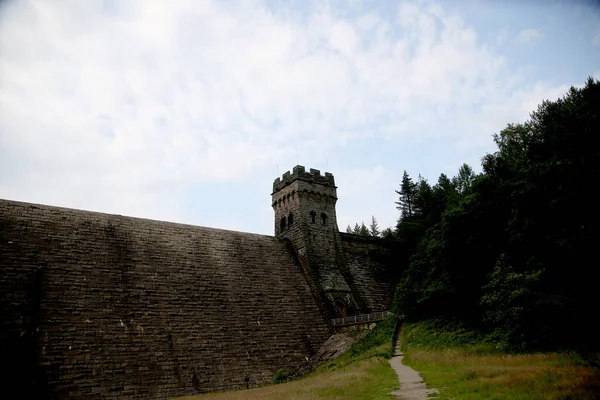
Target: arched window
323, 219
313, 217
342, 307
290, 220
282, 227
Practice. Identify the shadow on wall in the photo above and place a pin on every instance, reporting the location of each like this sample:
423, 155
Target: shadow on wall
22, 366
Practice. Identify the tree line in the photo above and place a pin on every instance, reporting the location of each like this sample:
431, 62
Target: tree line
512, 250
372, 230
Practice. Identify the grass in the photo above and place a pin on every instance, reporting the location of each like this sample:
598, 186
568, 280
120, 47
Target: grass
464, 365
370, 378
362, 372
376, 343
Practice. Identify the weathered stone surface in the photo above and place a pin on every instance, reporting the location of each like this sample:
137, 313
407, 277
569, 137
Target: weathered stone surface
374, 270
308, 200
105, 306
348, 274
334, 347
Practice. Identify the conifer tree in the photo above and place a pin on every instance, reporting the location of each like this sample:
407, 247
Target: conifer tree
388, 233
407, 193
374, 228
364, 231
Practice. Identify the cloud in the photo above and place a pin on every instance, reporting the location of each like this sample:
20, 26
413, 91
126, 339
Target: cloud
123, 106
376, 190
527, 36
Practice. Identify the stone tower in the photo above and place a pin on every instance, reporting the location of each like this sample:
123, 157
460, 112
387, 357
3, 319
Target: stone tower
304, 205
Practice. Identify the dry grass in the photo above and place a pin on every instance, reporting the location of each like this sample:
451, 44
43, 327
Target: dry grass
466, 373
362, 372
371, 378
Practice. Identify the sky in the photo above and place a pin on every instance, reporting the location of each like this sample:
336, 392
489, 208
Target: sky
186, 111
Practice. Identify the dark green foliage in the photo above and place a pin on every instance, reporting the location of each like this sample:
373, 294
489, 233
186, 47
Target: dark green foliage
438, 333
512, 249
380, 334
281, 377
407, 193
364, 231
374, 228
463, 181
388, 233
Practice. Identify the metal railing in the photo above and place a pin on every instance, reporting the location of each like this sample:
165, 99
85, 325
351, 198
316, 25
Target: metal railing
360, 319
396, 335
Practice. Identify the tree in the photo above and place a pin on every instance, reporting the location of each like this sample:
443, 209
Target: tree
445, 194
462, 182
356, 229
543, 169
388, 233
414, 202
364, 231
374, 228
348, 229
424, 203
407, 196
510, 249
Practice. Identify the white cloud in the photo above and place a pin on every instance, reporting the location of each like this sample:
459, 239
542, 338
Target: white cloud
121, 106
527, 36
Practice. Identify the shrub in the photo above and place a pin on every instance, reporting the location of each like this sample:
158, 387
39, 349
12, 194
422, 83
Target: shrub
281, 376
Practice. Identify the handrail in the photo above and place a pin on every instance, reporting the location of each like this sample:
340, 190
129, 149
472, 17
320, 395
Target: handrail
361, 318
396, 335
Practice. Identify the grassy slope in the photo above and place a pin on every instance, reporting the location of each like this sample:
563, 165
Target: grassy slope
463, 365
371, 378
363, 372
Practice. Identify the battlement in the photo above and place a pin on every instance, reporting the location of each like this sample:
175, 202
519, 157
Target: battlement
111, 281
299, 173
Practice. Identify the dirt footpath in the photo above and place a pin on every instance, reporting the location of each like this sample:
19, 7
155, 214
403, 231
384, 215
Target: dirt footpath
411, 384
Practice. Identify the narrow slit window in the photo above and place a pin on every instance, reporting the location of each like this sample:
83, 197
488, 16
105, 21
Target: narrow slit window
282, 225
323, 219
313, 217
290, 221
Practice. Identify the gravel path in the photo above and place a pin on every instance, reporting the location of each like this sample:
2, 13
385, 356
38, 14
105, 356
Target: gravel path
411, 383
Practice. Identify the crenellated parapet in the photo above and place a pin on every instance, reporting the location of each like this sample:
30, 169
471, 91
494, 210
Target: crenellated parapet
197, 309
299, 173
312, 186
304, 206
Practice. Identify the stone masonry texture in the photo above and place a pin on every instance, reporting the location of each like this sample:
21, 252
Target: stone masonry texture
372, 264
104, 306
350, 274
308, 199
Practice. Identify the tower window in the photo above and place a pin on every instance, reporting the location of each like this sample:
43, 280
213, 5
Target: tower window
323, 219
290, 220
313, 217
282, 226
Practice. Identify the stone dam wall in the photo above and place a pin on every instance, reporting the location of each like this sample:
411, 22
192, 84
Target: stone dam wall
372, 270
105, 306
